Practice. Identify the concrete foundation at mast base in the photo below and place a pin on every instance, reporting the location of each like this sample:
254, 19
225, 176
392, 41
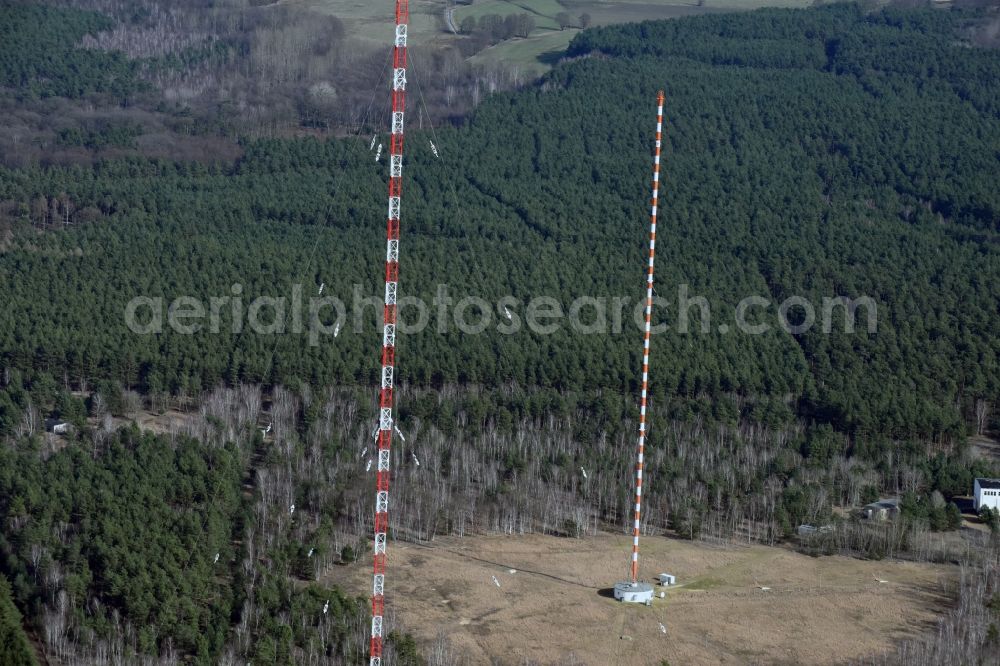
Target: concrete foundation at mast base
634, 593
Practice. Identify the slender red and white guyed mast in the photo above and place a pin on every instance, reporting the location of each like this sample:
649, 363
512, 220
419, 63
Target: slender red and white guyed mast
645, 344
385, 397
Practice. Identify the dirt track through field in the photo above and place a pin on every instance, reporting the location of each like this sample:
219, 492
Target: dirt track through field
557, 601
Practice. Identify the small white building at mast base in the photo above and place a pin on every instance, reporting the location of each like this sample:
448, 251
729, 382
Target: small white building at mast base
635, 593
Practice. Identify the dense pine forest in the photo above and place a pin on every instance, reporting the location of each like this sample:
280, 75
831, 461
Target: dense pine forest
811, 159
841, 151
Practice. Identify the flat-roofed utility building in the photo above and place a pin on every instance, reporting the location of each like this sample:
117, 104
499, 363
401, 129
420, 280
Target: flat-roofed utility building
986, 492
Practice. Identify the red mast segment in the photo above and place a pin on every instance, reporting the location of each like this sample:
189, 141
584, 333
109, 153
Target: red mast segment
645, 344
385, 397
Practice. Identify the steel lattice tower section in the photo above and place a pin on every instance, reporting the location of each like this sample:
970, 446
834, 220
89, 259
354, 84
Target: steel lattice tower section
645, 344
385, 396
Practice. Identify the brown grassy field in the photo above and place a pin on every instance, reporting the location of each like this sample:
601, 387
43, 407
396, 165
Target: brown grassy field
553, 601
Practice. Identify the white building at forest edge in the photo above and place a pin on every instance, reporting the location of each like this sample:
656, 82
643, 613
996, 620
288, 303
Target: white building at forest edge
986, 492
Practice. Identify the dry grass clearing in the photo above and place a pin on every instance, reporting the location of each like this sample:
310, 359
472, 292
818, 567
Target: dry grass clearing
556, 602
985, 447
372, 21
171, 421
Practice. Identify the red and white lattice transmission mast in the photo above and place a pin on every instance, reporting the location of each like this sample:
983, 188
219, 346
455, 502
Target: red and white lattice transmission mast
645, 344
385, 397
